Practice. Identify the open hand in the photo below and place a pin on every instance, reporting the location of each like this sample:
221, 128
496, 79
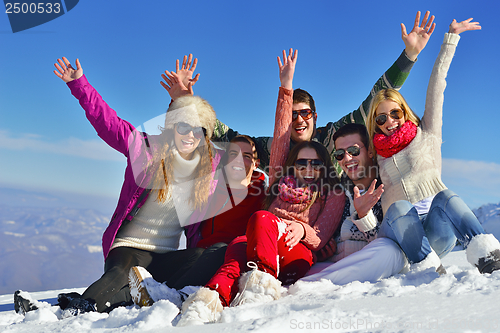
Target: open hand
458, 27
287, 68
66, 72
175, 86
418, 37
185, 73
364, 203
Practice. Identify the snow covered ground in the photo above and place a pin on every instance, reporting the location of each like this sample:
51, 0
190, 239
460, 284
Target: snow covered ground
460, 301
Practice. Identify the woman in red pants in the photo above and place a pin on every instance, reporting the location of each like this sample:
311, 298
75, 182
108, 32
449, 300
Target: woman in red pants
304, 208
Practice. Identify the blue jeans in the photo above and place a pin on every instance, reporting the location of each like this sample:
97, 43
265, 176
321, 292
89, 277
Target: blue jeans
448, 219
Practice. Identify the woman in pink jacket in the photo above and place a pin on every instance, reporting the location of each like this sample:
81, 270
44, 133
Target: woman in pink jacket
158, 200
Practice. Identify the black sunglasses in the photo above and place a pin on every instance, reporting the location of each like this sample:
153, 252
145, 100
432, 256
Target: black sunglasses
394, 114
352, 150
183, 129
305, 114
301, 164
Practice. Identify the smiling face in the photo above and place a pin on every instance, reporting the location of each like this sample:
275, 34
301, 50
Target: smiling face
309, 175
186, 144
360, 169
391, 125
241, 162
302, 130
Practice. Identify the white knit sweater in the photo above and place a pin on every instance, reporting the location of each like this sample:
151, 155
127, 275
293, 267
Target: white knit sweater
157, 227
414, 173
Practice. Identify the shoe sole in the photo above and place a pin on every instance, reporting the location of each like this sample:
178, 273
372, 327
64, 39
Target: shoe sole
138, 290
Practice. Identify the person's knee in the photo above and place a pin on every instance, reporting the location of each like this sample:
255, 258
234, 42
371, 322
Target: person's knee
443, 197
261, 218
399, 209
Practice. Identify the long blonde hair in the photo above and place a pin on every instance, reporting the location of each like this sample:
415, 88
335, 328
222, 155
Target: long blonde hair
387, 95
195, 111
164, 171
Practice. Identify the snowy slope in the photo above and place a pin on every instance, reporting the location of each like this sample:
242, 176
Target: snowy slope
461, 301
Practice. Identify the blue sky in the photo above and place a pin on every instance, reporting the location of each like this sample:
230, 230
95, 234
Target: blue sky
46, 143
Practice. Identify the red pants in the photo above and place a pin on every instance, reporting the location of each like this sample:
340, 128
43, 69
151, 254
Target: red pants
266, 247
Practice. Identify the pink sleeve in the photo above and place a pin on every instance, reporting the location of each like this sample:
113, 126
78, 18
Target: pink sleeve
280, 145
111, 128
318, 234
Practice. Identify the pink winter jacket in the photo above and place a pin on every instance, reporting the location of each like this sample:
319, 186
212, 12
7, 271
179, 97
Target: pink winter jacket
138, 148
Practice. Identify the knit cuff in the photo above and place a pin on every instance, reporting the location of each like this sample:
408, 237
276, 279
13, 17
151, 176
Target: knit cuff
404, 63
366, 223
311, 239
450, 38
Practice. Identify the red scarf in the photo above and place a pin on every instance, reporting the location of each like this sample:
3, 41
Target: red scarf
387, 146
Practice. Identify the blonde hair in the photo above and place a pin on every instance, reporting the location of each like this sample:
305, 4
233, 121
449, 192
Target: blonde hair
202, 114
387, 95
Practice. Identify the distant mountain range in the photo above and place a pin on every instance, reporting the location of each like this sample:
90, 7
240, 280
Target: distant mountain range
47, 248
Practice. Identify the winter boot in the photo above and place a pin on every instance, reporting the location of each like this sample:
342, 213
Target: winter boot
432, 260
63, 299
204, 306
138, 289
256, 287
145, 290
483, 252
78, 306
23, 302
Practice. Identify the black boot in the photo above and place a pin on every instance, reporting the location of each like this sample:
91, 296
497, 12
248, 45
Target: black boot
23, 302
64, 299
490, 263
80, 305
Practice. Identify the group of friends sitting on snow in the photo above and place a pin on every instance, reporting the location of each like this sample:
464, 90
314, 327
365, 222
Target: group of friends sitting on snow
360, 199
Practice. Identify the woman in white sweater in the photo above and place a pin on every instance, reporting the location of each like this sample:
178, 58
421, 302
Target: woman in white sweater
420, 213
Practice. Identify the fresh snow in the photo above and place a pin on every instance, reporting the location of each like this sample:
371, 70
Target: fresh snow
463, 300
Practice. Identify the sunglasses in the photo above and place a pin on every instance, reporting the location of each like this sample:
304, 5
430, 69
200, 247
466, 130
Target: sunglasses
394, 114
301, 164
352, 150
183, 129
305, 114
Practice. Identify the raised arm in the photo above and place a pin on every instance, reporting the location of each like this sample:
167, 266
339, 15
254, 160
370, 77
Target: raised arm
393, 78
111, 128
432, 119
283, 119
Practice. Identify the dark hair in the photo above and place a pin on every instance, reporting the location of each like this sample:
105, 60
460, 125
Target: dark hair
240, 138
302, 96
349, 129
328, 180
